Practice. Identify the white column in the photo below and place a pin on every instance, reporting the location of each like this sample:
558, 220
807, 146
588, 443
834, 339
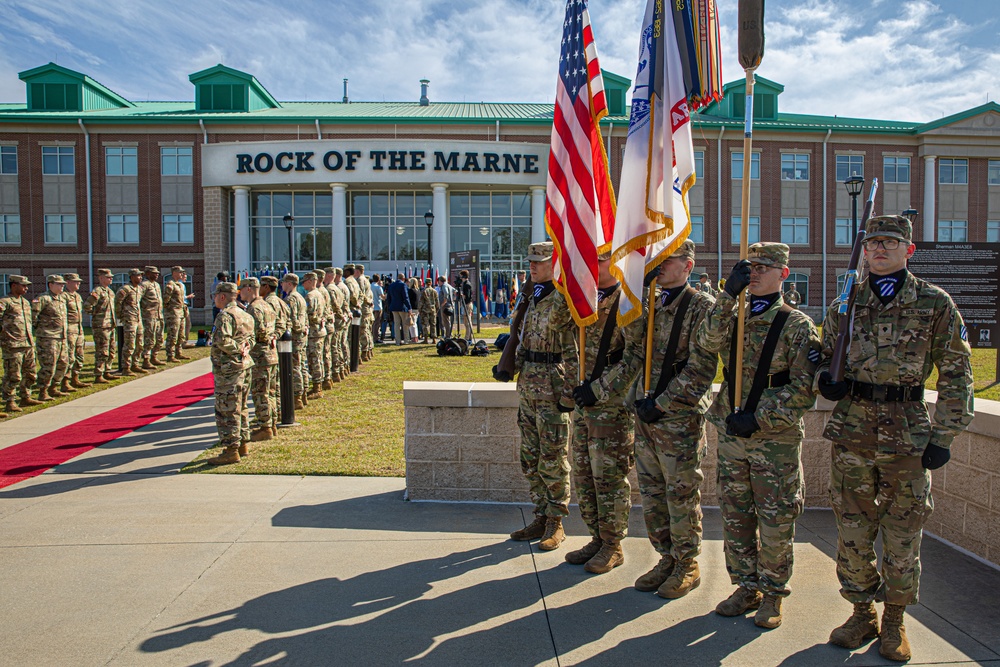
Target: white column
241, 230
929, 214
439, 232
339, 236
537, 213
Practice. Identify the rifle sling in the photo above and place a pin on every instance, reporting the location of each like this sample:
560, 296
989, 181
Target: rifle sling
762, 378
668, 370
606, 336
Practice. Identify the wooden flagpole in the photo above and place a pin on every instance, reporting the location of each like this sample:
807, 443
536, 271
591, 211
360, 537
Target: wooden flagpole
583, 353
649, 337
741, 314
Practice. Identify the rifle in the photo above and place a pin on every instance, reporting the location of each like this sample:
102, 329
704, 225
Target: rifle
838, 359
505, 367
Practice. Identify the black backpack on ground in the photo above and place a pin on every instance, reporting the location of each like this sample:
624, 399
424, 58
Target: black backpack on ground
452, 347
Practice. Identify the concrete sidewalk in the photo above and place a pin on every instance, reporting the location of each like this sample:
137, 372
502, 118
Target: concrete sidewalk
114, 558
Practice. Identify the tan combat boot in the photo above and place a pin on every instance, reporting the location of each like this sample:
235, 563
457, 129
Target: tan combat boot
334, 378
859, 628
229, 455
894, 644
99, 379
299, 405
769, 614
43, 395
179, 356
154, 361
65, 386
655, 577
170, 358
27, 401
244, 449
554, 534
742, 600
327, 385
261, 434
589, 550
315, 394
532, 531
77, 382
274, 430
608, 558
136, 369
109, 376
147, 364
12, 406
685, 578
126, 373
55, 393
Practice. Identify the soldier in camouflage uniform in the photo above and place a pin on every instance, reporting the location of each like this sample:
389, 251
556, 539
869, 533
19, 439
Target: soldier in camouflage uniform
282, 324
315, 308
129, 318
344, 328
298, 322
100, 305
232, 339
884, 441
334, 325
325, 344
264, 354
670, 423
792, 296
367, 312
705, 285
428, 311
601, 442
174, 305
50, 338
760, 469
547, 364
74, 333
17, 338
151, 307
353, 302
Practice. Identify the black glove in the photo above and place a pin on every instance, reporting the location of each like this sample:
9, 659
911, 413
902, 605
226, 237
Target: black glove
647, 410
563, 408
501, 376
738, 279
934, 457
833, 391
653, 274
741, 424
584, 395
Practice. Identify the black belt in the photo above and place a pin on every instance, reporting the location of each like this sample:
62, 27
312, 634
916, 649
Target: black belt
886, 392
773, 379
543, 357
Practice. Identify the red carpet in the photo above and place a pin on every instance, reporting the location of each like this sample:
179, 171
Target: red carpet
33, 457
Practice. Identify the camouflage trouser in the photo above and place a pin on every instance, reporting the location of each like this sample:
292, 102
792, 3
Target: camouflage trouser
329, 355
18, 372
103, 339
52, 361
545, 455
343, 335
231, 413
74, 348
131, 346
300, 379
760, 493
315, 356
274, 395
602, 457
261, 379
174, 325
428, 324
871, 491
152, 337
668, 456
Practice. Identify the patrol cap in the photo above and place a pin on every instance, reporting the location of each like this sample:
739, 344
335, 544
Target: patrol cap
308, 275
704, 275
686, 250
359, 267
319, 273
768, 254
18, 280
328, 270
290, 278
179, 269
338, 271
890, 226
134, 272
75, 277
270, 281
226, 288
150, 269
540, 252
55, 278
105, 272
249, 281
349, 266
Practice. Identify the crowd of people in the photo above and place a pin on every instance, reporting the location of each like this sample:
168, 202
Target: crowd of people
647, 404
423, 313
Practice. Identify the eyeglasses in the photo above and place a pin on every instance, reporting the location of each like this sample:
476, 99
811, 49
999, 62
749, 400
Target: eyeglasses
761, 269
887, 244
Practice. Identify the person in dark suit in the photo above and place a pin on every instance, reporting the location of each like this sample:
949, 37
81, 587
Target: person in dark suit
399, 305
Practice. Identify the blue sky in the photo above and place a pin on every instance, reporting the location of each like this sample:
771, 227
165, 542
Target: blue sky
898, 59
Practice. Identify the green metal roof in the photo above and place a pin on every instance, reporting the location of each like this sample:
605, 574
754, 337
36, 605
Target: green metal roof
52, 72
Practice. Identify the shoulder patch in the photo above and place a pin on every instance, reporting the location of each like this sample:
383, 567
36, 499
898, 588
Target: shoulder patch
814, 355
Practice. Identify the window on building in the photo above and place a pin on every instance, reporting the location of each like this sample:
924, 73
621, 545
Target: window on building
896, 169
993, 172
953, 230
801, 282
753, 232
60, 229
737, 166
223, 97
497, 224
58, 161
697, 229
10, 229
123, 229
5, 284
850, 165
699, 164
795, 166
841, 279
953, 171
842, 232
175, 160
55, 96
795, 231
118, 281
178, 229
993, 231
8, 160
121, 160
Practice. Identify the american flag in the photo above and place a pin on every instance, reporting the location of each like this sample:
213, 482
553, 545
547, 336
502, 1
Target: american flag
579, 202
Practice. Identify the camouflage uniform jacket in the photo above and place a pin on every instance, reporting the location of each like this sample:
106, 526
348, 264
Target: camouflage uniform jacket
341, 313
50, 316
16, 323
298, 314
689, 391
263, 352
324, 294
173, 298
900, 343
282, 314
367, 297
548, 327
150, 300
316, 308
429, 302
354, 301
780, 409
74, 311
100, 304
127, 304
232, 338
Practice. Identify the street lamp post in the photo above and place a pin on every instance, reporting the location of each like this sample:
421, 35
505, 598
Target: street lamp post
429, 221
855, 184
289, 220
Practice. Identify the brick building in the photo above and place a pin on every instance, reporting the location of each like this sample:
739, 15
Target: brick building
89, 179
